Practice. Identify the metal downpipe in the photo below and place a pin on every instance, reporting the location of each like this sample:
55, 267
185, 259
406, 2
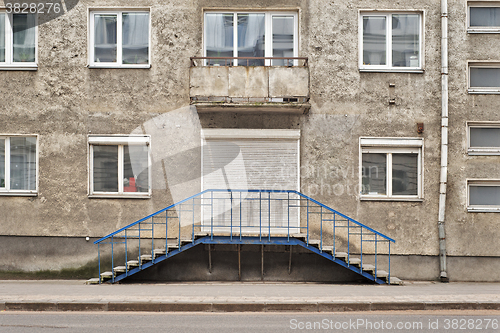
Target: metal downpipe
444, 141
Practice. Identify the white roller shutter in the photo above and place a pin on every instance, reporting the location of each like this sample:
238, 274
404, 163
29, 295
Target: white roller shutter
255, 160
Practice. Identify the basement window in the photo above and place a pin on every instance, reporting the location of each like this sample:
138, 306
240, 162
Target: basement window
391, 42
391, 169
18, 41
484, 78
483, 17
18, 165
120, 166
483, 138
250, 35
120, 39
483, 196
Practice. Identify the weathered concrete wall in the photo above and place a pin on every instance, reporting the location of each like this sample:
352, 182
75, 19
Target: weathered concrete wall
64, 101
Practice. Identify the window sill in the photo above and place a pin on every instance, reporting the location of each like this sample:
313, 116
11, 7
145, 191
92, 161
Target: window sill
120, 196
391, 70
18, 194
120, 66
32, 67
409, 199
483, 31
483, 210
484, 91
479, 152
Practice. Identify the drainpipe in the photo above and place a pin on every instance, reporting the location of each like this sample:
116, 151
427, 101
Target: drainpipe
444, 141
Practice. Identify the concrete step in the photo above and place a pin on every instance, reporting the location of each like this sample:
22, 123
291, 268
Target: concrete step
145, 257
120, 269
132, 263
314, 242
106, 276
396, 281
341, 255
382, 274
201, 234
159, 252
355, 261
186, 241
92, 281
369, 268
327, 249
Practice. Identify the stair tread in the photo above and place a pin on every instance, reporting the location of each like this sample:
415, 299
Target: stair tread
107, 274
92, 281
120, 269
133, 263
368, 267
395, 280
341, 254
354, 261
382, 274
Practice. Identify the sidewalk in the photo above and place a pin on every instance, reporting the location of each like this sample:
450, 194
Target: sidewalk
71, 295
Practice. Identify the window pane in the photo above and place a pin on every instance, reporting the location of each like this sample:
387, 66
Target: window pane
24, 37
219, 37
135, 38
484, 137
485, 16
251, 36
135, 169
2, 37
484, 195
405, 40
2, 162
374, 40
404, 174
374, 174
283, 28
484, 77
105, 38
22, 163
106, 168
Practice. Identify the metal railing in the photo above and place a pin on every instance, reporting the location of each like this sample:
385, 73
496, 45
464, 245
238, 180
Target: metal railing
264, 215
250, 61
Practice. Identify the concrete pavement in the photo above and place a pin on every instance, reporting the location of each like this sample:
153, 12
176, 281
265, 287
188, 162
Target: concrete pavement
75, 295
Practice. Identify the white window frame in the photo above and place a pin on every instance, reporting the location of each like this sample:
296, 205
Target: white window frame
388, 67
268, 32
481, 208
9, 63
390, 146
119, 37
120, 141
481, 150
482, 64
485, 29
7, 191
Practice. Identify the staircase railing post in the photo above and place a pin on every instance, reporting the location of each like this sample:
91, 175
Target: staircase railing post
231, 203
140, 261
99, 260
361, 248
211, 215
166, 232
112, 261
348, 242
192, 232
376, 241
321, 230
179, 211
333, 252
126, 253
307, 215
288, 213
260, 216
241, 222
269, 219
153, 240
389, 270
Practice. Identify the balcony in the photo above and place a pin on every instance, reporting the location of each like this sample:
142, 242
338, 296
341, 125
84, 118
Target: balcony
281, 85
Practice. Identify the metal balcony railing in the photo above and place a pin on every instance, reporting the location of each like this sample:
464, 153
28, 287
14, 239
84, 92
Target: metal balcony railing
249, 61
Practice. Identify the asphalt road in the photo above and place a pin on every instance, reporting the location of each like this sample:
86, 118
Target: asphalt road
457, 321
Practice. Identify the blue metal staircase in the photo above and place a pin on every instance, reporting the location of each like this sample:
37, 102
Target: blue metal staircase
266, 217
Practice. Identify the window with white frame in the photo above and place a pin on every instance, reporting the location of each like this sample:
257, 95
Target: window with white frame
250, 34
18, 41
391, 168
120, 39
120, 166
483, 138
484, 77
18, 165
391, 41
483, 195
483, 17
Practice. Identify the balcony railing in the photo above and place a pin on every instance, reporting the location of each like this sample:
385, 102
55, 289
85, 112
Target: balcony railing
249, 61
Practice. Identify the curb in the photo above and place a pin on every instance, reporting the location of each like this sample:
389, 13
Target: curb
245, 307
